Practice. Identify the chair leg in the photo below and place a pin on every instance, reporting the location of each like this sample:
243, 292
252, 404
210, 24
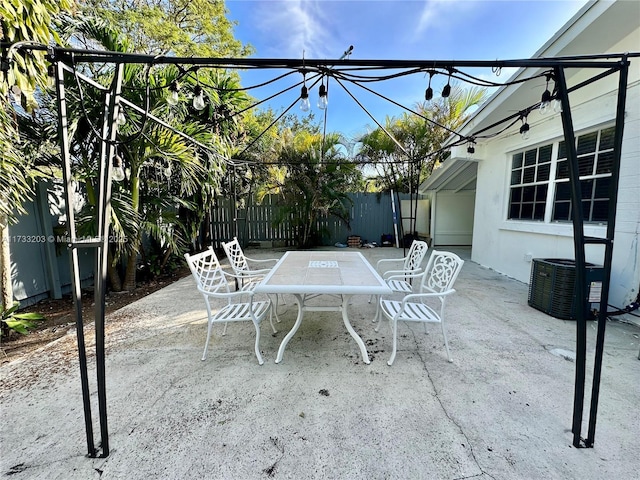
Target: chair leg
378, 318
206, 344
394, 327
224, 331
209, 327
257, 346
446, 343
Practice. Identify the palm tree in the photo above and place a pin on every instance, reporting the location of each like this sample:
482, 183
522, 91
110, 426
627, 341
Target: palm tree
402, 169
165, 169
450, 112
313, 179
396, 168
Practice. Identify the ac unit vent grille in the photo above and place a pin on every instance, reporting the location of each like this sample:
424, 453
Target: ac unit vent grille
552, 286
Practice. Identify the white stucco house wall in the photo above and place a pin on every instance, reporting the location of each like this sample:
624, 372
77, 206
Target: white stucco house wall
478, 201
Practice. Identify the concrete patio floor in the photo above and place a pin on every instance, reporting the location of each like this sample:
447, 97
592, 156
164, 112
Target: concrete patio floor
501, 410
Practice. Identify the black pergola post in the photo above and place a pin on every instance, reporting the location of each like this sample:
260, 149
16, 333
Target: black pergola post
107, 152
578, 245
100, 243
608, 255
63, 135
580, 241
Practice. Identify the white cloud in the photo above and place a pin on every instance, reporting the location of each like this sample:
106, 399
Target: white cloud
439, 14
429, 15
293, 26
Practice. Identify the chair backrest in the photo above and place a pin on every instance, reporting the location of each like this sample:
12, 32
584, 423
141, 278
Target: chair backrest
416, 254
207, 271
236, 256
441, 272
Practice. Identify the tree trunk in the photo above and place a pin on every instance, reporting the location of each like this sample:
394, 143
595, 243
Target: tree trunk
130, 275
165, 259
132, 261
5, 264
114, 276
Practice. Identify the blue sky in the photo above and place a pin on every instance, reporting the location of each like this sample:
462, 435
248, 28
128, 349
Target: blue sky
386, 29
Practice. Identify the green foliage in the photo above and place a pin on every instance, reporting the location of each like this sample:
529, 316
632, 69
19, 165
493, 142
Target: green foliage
171, 180
15, 182
18, 322
184, 28
403, 169
161, 260
313, 179
28, 21
22, 21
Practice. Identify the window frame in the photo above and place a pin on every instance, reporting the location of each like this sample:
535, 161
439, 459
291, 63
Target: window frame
593, 197
597, 182
530, 187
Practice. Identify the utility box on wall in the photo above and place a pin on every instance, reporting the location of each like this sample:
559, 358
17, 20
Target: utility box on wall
553, 283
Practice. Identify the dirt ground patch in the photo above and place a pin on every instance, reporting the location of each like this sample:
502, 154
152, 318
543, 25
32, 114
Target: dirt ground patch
60, 317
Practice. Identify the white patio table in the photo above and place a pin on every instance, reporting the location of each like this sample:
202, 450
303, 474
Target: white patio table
307, 274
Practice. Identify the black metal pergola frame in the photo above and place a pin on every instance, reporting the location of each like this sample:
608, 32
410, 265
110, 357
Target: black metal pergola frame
65, 61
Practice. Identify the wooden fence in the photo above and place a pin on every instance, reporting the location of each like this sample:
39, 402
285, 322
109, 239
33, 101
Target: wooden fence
371, 217
40, 262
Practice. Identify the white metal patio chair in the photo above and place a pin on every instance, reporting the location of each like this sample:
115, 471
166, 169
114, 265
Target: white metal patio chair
240, 263
400, 281
248, 277
436, 283
213, 282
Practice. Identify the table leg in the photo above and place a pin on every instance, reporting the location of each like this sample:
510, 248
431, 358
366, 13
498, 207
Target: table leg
356, 337
283, 345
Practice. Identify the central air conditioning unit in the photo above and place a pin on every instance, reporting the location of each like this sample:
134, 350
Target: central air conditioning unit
552, 287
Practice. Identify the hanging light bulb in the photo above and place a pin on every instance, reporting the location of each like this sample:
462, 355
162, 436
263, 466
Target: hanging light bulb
121, 119
117, 172
428, 95
557, 106
305, 105
198, 98
167, 170
545, 101
323, 101
446, 91
174, 96
524, 129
